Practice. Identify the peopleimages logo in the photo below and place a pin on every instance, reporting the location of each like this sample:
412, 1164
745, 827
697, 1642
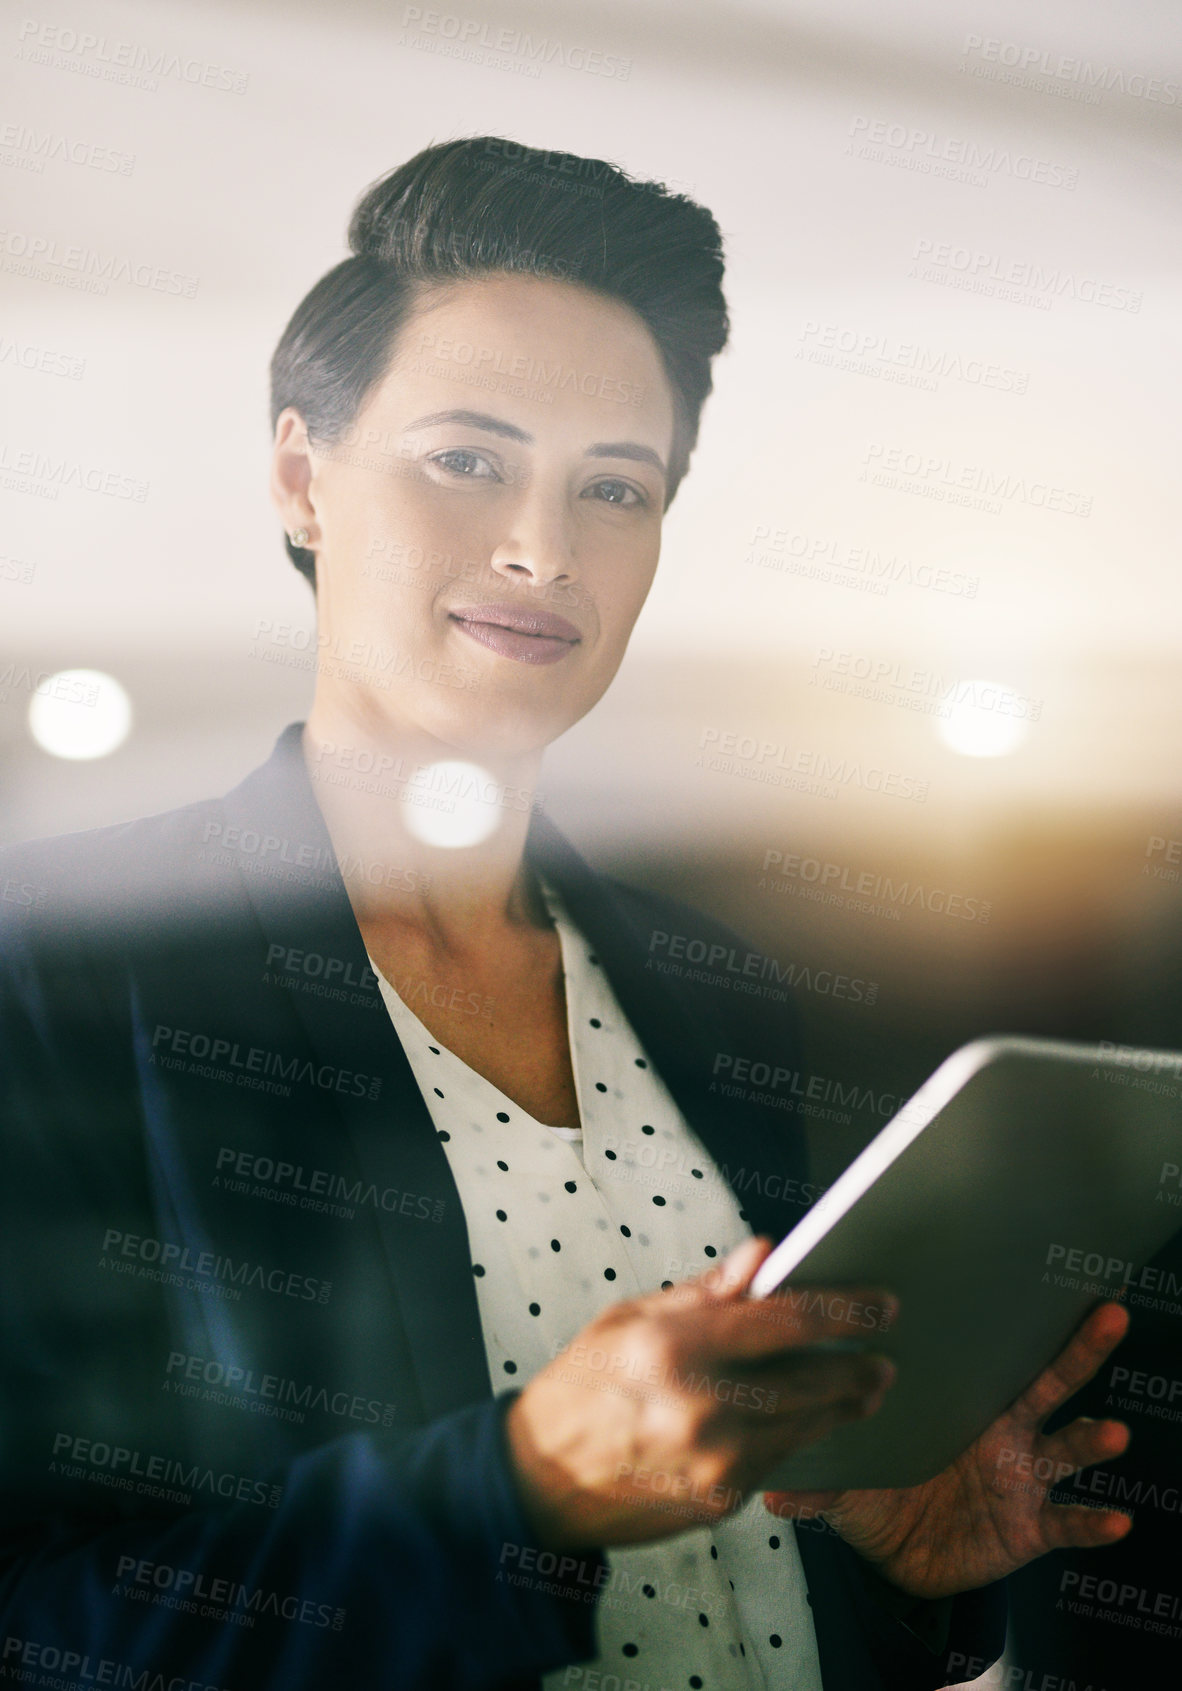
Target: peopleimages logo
938, 477
249, 1174
100, 268
57, 473
183, 1049
775, 763
34, 148
872, 893
927, 151
127, 62
474, 38
72, 1666
870, 352
523, 367
814, 1087
219, 1597
813, 556
1028, 63
133, 1470
179, 1259
748, 971
267, 1394
991, 274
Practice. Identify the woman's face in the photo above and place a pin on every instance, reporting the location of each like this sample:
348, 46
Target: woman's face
487, 532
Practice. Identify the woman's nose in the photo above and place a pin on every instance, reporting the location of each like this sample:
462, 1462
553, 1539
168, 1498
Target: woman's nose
538, 546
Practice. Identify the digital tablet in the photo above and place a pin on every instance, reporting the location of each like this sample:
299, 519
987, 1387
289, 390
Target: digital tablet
1026, 1180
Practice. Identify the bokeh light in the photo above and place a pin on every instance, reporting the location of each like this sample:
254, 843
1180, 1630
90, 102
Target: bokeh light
79, 713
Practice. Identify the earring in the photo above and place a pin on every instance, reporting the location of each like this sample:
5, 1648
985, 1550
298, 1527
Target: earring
300, 537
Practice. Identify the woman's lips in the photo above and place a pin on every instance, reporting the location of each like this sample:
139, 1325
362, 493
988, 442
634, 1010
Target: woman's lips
515, 631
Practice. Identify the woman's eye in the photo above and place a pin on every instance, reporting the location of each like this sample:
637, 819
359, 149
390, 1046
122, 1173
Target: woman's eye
460, 461
616, 493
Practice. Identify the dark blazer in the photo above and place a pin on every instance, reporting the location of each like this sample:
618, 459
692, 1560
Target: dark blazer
248, 1434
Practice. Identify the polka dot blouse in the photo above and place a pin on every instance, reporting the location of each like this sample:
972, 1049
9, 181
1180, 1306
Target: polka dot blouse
562, 1222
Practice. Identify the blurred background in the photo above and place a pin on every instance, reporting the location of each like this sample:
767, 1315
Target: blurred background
904, 701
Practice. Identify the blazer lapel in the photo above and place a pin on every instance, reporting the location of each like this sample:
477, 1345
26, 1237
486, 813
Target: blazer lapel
393, 1135
759, 1152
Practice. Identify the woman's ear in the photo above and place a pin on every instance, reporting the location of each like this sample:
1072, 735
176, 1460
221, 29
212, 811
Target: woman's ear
291, 475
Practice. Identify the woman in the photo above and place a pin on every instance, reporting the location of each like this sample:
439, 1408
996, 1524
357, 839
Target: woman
415, 1348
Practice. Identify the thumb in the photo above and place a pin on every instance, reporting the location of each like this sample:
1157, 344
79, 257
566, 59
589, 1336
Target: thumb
730, 1278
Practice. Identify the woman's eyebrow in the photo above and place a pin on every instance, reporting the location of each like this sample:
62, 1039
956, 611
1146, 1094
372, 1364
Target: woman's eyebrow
628, 449
473, 420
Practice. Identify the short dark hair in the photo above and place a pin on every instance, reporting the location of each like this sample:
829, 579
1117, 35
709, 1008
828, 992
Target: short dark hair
470, 207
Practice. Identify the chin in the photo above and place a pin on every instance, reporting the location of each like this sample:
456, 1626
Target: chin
499, 730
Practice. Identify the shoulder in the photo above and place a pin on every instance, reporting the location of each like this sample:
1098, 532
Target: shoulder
99, 877
142, 839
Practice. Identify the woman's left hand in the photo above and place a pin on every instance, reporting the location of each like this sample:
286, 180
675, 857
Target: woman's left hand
987, 1514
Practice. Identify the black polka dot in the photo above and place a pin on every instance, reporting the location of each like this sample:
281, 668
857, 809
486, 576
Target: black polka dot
703, 1620
500, 1164
631, 1650
697, 1173
595, 1022
535, 1309
570, 1185
647, 1129
501, 1216
477, 1269
648, 1591
438, 1094
710, 1251
731, 1583
510, 1368
774, 1542
626, 1231
444, 1134
433, 1048
695, 1681
600, 1087
665, 1285
714, 1552
609, 1274
641, 1064
742, 1649
610, 1155
555, 1245
658, 1200
502, 1115
775, 1640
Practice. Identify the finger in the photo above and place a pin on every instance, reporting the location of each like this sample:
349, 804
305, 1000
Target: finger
798, 1505
1082, 1444
813, 1380
737, 1269
764, 1447
725, 1280
1094, 1339
767, 1439
1073, 1526
747, 1327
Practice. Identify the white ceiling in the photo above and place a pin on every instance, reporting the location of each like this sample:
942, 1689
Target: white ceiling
752, 108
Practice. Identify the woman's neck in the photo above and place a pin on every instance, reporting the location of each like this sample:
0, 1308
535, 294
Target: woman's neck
369, 784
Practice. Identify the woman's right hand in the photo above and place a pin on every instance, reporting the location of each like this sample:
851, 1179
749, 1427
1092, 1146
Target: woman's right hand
666, 1410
